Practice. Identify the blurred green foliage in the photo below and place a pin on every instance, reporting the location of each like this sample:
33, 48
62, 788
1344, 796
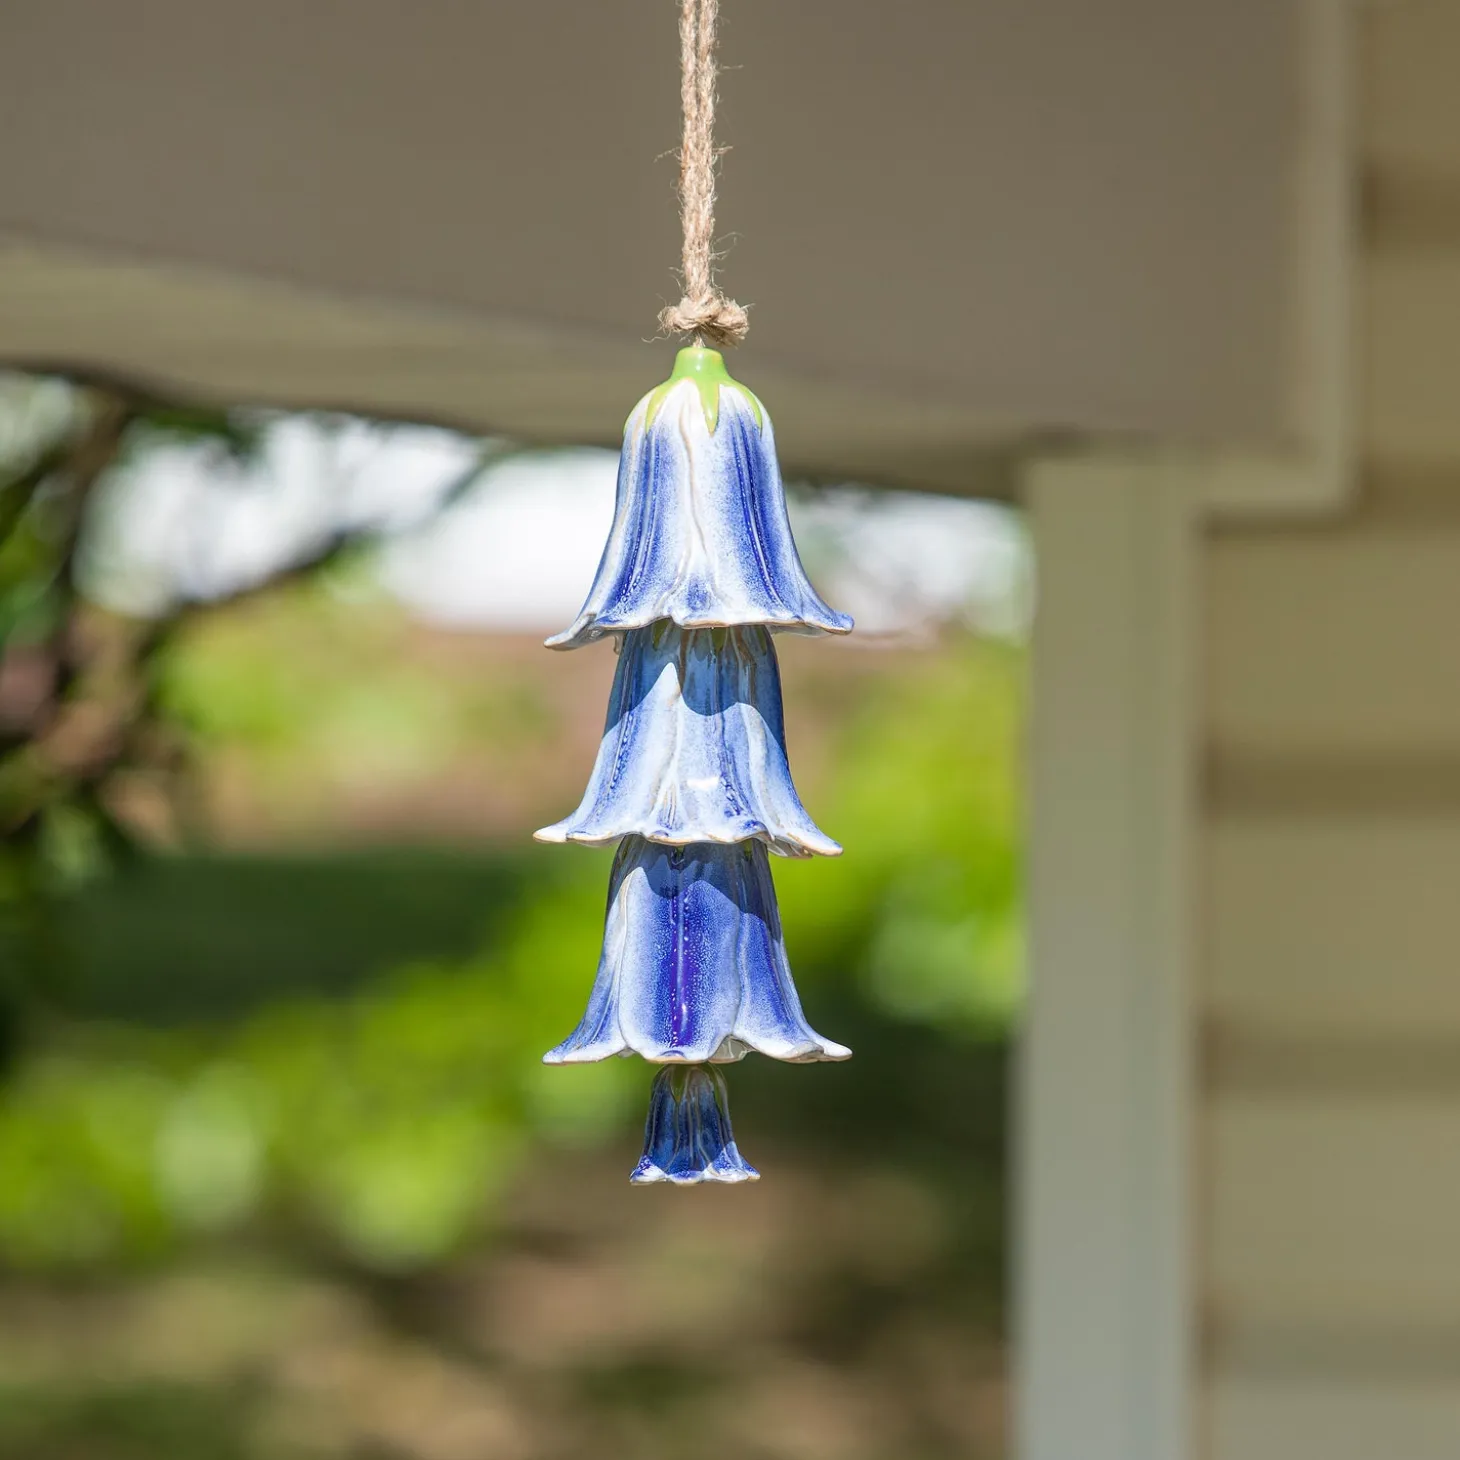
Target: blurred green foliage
317, 701
345, 1050
282, 1175
139, 1423
260, 1042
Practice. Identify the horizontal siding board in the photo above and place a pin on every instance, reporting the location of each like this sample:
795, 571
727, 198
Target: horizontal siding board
1333, 1217
1337, 643
1406, 497
1410, 306
1410, 116
1336, 785
1329, 994
1340, 929
1407, 214
1332, 1419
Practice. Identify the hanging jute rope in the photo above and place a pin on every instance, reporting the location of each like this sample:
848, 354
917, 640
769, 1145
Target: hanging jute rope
704, 312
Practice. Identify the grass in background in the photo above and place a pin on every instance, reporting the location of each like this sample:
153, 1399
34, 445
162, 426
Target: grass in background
315, 1078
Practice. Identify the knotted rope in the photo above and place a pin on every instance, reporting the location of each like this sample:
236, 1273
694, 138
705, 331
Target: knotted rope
704, 312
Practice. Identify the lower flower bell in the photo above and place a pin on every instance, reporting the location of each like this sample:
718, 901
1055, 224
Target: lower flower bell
694, 966
687, 1138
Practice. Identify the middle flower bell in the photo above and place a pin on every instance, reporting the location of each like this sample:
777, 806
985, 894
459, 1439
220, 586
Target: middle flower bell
694, 748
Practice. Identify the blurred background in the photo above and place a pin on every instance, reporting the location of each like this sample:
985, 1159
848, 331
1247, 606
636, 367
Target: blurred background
283, 1175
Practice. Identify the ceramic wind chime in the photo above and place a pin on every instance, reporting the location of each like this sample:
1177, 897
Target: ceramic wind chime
691, 781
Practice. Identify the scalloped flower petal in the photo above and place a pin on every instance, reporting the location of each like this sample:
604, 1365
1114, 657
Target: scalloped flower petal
687, 1138
700, 534
694, 749
694, 966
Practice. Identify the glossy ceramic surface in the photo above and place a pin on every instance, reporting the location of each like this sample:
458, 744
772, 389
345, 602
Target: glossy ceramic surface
700, 534
691, 778
687, 1138
694, 966
694, 748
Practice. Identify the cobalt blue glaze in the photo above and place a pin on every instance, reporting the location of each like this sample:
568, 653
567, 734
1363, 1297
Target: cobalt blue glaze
700, 534
687, 1138
695, 748
694, 966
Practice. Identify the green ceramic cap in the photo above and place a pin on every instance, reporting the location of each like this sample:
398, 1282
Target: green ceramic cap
707, 369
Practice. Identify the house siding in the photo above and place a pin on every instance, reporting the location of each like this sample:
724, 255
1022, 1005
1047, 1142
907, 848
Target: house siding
1328, 988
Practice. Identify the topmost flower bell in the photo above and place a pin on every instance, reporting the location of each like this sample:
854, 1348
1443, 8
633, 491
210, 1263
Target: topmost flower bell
700, 533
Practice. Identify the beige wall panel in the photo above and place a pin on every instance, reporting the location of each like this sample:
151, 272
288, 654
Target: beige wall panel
1337, 642
1411, 111
1330, 1226
1411, 311
1332, 1419
1060, 215
1332, 1215
250, 341
1333, 927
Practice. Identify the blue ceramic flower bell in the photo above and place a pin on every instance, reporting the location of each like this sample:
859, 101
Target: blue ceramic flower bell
695, 747
688, 1138
692, 779
700, 534
693, 967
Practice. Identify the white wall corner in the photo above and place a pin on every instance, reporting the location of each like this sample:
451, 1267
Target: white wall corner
1104, 1330
1105, 1291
